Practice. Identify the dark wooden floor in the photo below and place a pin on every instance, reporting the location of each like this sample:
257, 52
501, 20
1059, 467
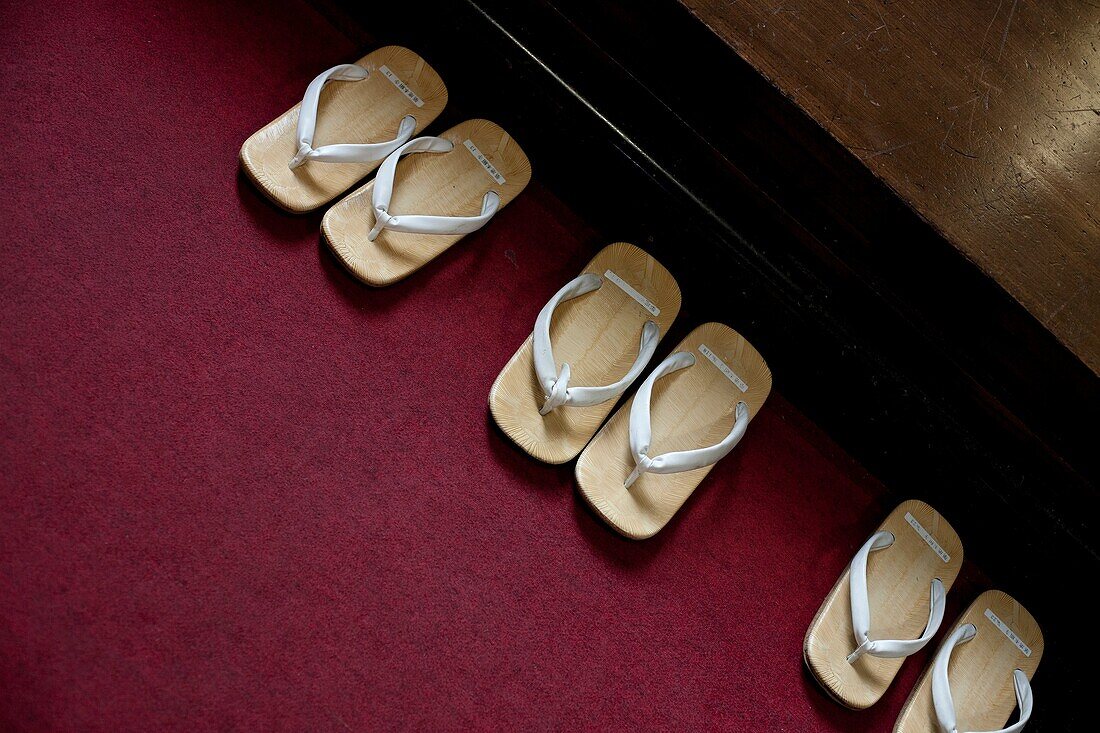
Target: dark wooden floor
983, 115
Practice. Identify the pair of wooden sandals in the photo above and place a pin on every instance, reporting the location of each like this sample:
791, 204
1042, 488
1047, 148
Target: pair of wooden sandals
889, 604
355, 118
592, 340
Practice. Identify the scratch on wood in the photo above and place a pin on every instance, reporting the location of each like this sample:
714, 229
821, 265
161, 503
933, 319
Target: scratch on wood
965, 155
1008, 25
887, 151
996, 12
948, 133
973, 110
885, 25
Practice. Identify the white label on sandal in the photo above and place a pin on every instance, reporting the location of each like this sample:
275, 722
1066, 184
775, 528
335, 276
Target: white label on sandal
919, 529
1008, 632
401, 86
723, 367
625, 287
480, 157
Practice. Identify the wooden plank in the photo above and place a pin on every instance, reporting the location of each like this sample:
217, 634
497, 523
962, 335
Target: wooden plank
983, 116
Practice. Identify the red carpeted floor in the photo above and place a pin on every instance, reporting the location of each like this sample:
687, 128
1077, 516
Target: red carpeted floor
243, 492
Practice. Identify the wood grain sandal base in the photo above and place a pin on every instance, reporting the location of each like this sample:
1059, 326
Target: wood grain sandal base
597, 334
980, 671
690, 408
432, 184
364, 111
898, 582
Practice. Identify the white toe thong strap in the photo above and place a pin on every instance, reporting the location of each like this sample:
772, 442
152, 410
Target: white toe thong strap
677, 461
861, 608
341, 153
555, 383
415, 223
941, 687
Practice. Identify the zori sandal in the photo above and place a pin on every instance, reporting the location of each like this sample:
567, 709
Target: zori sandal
415, 209
693, 408
873, 618
601, 328
981, 672
361, 113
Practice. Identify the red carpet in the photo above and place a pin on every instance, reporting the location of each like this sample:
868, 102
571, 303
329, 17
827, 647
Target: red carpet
243, 492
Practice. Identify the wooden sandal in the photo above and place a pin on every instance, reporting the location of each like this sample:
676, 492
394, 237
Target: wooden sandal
714, 378
392, 93
594, 323
415, 210
917, 556
981, 672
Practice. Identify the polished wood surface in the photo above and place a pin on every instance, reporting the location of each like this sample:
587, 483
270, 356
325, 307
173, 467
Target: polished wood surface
983, 115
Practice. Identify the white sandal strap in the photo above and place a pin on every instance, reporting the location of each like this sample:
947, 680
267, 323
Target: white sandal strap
861, 608
676, 461
340, 153
941, 687
414, 223
555, 384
